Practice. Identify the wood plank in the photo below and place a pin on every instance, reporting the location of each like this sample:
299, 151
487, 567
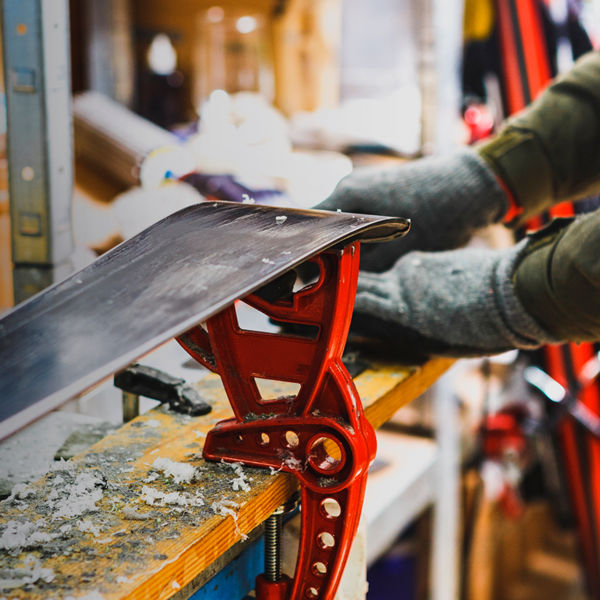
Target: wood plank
126, 548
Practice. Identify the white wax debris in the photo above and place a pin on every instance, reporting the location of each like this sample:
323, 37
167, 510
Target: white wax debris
20, 492
17, 535
155, 497
87, 526
62, 465
32, 572
280, 219
82, 497
240, 482
293, 463
181, 472
225, 508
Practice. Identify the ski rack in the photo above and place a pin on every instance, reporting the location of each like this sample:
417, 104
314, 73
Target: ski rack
320, 434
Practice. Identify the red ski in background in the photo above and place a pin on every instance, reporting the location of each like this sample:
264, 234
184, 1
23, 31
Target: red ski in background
521, 53
516, 44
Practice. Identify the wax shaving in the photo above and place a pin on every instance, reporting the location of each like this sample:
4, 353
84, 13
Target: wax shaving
292, 463
20, 492
240, 482
62, 465
225, 508
87, 526
155, 497
82, 497
181, 472
32, 572
18, 536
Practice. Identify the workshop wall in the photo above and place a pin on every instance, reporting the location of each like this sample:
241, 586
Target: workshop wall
290, 56
6, 288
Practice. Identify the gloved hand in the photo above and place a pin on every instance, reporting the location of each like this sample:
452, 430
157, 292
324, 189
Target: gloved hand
549, 152
454, 303
446, 197
472, 302
557, 279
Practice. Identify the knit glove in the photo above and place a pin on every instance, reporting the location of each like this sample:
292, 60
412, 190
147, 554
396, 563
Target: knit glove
550, 152
446, 197
455, 303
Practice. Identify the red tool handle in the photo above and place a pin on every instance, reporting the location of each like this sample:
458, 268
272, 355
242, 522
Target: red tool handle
319, 434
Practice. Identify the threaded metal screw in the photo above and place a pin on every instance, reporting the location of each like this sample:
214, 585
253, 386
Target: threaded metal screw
273, 545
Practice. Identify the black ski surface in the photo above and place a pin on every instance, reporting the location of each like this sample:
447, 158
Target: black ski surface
153, 287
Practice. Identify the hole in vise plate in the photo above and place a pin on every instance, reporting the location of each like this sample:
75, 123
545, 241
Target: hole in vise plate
291, 439
272, 390
325, 540
326, 455
331, 508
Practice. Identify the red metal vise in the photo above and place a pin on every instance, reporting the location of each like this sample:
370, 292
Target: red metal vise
319, 434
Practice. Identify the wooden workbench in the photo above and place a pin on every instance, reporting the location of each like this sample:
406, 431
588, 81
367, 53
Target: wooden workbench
113, 523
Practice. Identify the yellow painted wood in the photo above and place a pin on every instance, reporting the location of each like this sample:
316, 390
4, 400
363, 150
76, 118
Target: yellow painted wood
129, 549
388, 388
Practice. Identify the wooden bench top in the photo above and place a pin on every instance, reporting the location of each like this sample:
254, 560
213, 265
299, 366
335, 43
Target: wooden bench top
141, 515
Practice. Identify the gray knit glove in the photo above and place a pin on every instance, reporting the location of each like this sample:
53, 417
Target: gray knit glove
454, 303
446, 197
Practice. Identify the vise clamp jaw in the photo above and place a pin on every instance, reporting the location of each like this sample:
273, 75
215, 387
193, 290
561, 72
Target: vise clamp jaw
320, 434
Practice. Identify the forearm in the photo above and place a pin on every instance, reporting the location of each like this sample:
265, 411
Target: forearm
453, 303
471, 302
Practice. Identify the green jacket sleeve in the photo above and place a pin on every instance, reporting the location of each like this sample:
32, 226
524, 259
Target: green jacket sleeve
550, 152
